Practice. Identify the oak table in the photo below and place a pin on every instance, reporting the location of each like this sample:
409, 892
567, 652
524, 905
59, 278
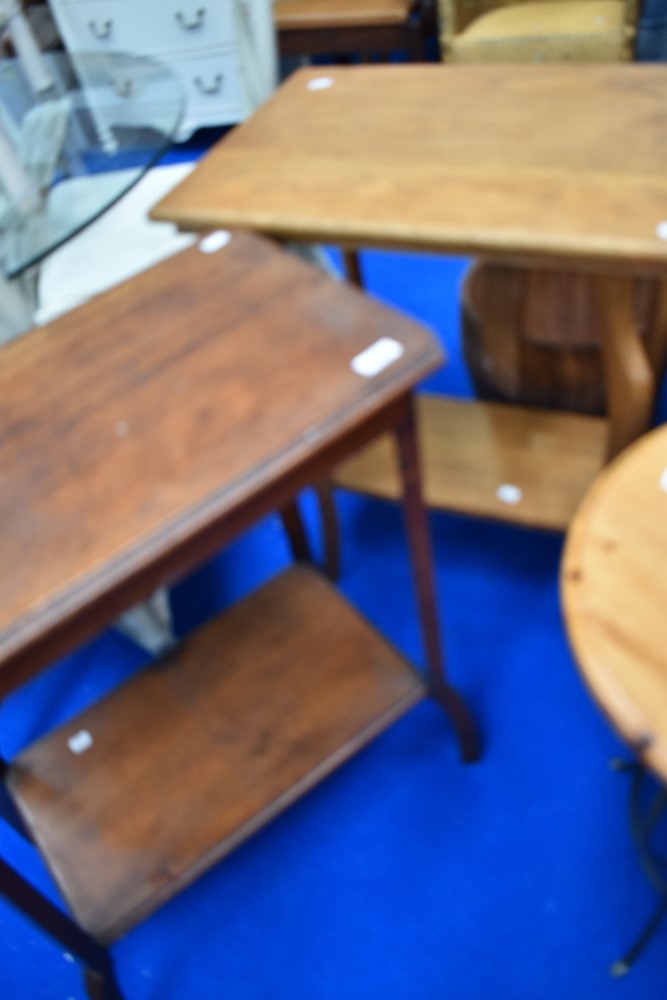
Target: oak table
543, 166
138, 435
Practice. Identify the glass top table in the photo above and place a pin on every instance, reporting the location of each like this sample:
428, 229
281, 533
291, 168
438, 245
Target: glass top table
104, 121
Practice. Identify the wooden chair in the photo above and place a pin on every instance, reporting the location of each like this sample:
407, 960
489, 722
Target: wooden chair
343, 28
474, 31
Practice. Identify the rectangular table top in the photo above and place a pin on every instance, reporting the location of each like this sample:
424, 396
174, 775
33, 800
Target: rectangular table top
131, 425
550, 162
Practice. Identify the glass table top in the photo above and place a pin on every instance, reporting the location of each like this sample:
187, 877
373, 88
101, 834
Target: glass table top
107, 117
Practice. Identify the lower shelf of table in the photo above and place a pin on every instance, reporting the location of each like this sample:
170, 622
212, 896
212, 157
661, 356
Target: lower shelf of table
199, 750
491, 460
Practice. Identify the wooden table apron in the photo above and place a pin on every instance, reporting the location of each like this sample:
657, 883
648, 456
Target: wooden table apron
546, 167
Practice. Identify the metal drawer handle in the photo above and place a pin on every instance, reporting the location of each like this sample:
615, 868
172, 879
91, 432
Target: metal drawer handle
195, 23
210, 88
100, 31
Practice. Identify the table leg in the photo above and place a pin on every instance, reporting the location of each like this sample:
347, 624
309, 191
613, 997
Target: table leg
656, 338
629, 377
100, 978
416, 520
295, 531
329, 522
352, 268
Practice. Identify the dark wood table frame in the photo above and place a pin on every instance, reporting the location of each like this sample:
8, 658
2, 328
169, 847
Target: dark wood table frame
201, 325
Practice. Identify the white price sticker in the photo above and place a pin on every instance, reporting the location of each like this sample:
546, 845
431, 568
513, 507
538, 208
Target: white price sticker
377, 357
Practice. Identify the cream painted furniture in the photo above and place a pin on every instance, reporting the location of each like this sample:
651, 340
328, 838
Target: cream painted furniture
481, 31
223, 51
433, 157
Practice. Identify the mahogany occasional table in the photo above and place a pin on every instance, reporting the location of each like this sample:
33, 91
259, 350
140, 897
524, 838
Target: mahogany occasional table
139, 434
544, 166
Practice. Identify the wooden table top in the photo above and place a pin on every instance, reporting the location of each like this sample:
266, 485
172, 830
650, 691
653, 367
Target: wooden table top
132, 425
615, 595
555, 162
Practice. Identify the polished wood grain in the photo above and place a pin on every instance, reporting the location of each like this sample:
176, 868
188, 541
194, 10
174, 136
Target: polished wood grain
472, 450
139, 433
236, 724
614, 592
536, 163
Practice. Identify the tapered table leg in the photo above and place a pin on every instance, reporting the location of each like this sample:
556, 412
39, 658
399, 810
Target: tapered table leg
352, 268
100, 978
296, 532
416, 520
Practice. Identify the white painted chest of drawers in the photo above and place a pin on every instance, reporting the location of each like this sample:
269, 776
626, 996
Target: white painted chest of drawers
200, 40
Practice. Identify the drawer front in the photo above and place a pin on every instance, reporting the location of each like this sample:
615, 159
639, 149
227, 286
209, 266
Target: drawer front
211, 86
152, 29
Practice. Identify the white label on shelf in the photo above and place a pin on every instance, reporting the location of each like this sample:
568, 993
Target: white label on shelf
663, 480
215, 241
80, 742
661, 230
509, 493
377, 357
320, 83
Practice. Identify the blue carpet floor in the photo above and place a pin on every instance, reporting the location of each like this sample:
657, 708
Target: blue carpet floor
406, 875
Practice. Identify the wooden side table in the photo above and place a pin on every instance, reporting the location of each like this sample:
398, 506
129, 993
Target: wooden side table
140, 433
558, 166
614, 592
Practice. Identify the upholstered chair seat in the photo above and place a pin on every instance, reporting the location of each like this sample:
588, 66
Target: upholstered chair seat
546, 31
